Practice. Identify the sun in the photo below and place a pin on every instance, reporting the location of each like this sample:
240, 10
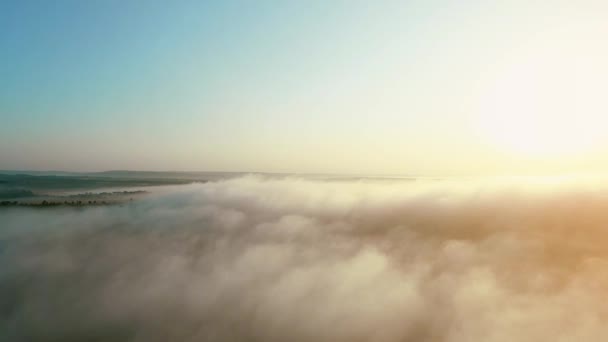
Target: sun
545, 104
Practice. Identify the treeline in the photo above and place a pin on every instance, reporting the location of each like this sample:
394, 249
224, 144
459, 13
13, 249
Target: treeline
52, 203
7, 193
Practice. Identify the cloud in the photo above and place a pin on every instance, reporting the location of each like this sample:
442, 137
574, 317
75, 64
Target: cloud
260, 259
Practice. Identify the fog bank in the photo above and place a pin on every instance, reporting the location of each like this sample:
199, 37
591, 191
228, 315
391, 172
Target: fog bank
259, 259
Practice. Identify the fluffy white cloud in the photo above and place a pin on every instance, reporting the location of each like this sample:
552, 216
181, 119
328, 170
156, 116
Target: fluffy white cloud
259, 259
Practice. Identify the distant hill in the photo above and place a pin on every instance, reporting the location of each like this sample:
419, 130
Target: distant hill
204, 175
168, 174
27, 185
128, 174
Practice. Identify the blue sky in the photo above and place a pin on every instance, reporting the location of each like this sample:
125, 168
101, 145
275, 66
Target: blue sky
285, 86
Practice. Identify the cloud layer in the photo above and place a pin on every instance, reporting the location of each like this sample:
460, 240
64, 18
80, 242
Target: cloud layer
258, 259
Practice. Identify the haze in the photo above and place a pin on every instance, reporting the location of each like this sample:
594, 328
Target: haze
286, 259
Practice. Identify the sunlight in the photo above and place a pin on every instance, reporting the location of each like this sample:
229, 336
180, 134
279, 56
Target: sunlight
546, 103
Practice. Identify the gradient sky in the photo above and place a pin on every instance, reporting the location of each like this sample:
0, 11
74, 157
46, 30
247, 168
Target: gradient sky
382, 87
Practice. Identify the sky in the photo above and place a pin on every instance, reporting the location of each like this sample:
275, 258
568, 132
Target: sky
368, 87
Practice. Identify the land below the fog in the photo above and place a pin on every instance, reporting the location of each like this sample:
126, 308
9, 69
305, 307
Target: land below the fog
48, 189
60, 188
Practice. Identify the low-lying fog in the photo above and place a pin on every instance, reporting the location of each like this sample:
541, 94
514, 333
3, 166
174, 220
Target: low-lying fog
260, 259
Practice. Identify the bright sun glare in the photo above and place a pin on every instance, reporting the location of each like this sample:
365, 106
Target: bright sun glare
546, 102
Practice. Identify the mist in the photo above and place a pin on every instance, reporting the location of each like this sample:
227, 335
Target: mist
289, 259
